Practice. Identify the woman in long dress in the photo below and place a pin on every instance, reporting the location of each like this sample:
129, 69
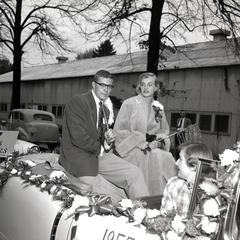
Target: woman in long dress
140, 121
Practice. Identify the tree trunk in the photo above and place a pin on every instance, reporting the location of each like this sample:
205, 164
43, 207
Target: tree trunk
17, 57
154, 36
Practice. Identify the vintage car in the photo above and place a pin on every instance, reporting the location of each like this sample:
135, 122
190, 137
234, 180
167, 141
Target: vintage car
38, 203
35, 126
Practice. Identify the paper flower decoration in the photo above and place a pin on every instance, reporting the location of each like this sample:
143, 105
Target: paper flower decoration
178, 225
210, 188
157, 104
172, 235
30, 163
228, 157
152, 213
57, 175
14, 171
139, 215
109, 105
211, 207
126, 203
208, 226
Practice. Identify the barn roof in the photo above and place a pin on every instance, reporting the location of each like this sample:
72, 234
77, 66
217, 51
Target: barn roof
196, 55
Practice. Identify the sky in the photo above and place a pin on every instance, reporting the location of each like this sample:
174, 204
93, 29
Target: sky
33, 57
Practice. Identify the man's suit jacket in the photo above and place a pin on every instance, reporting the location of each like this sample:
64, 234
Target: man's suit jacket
186, 123
80, 145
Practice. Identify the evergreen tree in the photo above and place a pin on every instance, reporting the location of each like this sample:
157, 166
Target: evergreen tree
105, 49
5, 65
89, 53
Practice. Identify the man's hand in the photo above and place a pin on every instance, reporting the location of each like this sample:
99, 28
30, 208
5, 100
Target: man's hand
153, 144
110, 136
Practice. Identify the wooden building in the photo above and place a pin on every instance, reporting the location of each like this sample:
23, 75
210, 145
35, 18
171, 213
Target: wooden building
202, 78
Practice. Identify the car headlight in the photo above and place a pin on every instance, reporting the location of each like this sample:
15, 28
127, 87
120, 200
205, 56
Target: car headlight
34, 149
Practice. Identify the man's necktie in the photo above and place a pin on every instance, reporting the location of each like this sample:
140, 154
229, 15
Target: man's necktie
180, 122
100, 123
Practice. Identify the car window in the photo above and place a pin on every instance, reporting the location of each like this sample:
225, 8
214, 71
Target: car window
42, 117
15, 115
21, 117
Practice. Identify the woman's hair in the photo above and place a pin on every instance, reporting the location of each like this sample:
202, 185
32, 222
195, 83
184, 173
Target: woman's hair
192, 153
147, 75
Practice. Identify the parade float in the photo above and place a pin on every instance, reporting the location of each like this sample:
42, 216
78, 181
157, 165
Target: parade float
37, 202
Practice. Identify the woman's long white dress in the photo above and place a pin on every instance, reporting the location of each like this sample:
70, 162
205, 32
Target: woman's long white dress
134, 120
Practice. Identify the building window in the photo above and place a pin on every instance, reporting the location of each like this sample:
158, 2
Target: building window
174, 118
176, 115
192, 117
205, 122
22, 105
3, 107
58, 110
42, 107
221, 123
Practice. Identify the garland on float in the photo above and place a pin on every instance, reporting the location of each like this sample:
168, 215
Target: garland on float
53, 185
58, 186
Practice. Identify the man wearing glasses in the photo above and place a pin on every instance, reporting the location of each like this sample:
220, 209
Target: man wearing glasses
85, 131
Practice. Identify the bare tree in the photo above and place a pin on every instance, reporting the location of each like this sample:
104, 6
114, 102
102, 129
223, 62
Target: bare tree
167, 19
26, 21
228, 11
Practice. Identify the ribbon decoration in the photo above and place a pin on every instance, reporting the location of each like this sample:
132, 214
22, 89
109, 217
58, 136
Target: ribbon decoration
127, 213
98, 204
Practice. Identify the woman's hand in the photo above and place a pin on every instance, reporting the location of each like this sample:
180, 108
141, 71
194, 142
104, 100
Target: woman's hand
150, 137
153, 145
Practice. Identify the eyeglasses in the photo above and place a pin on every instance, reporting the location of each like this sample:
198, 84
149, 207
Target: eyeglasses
103, 85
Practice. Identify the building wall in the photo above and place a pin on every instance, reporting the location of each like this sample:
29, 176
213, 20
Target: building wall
197, 91
59, 91
210, 91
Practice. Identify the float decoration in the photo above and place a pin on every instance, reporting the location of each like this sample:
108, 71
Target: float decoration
214, 196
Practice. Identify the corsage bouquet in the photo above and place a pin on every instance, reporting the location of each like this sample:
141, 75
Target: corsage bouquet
158, 108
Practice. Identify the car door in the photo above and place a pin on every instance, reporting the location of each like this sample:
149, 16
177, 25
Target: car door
13, 120
16, 120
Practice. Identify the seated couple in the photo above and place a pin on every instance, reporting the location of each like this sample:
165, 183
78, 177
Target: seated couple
132, 164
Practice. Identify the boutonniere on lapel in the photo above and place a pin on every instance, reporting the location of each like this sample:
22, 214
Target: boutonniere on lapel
109, 105
158, 108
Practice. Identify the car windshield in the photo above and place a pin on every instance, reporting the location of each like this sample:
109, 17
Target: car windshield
42, 117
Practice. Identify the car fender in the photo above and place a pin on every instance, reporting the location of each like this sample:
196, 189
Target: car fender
23, 135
